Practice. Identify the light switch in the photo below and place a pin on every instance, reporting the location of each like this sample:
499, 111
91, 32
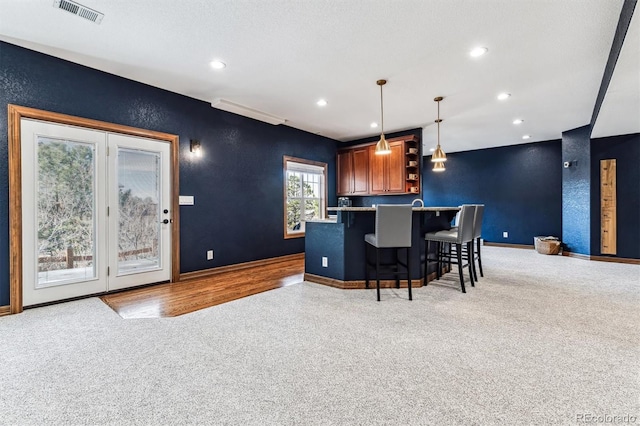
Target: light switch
186, 200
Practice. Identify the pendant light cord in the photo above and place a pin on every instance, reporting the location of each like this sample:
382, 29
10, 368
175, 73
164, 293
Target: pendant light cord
381, 112
438, 123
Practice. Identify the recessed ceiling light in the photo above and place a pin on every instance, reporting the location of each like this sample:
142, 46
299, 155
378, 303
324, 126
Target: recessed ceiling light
518, 121
503, 96
526, 137
478, 51
321, 102
374, 125
217, 65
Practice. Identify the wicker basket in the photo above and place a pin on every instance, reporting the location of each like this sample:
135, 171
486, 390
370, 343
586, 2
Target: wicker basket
546, 245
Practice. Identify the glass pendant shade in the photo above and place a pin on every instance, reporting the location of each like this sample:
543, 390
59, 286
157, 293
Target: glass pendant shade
438, 167
438, 155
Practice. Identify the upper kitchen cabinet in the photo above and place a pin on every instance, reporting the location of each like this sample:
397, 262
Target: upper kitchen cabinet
353, 171
387, 172
361, 172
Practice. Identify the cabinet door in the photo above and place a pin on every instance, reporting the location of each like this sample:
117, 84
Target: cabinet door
344, 173
377, 172
360, 170
396, 168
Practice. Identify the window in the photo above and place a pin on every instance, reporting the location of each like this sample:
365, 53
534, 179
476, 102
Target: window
305, 194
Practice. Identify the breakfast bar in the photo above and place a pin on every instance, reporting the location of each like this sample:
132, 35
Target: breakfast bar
335, 249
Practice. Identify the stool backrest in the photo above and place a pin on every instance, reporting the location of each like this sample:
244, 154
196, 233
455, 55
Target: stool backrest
477, 221
393, 225
465, 225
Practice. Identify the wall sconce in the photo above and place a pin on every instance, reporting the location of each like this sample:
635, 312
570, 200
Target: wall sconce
195, 148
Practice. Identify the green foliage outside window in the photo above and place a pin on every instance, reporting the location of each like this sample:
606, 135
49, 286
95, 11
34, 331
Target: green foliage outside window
301, 193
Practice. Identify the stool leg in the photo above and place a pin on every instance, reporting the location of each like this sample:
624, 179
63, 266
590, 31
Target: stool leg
397, 270
409, 272
472, 259
459, 256
479, 257
378, 273
366, 265
427, 246
439, 259
470, 262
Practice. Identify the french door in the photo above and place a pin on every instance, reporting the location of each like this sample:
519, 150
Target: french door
95, 211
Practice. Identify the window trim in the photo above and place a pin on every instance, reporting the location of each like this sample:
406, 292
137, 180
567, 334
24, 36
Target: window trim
285, 160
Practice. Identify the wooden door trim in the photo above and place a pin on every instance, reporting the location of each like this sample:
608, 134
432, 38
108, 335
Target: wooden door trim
16, 113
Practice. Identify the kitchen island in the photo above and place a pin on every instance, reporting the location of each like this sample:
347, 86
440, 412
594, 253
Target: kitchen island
335, 249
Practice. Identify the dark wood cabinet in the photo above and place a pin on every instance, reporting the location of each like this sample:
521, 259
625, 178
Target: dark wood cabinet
387, 172
353, 171
344, 168
361, 172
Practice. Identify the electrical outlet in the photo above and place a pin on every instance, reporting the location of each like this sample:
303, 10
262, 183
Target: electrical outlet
505, 234
325, 262
209, 254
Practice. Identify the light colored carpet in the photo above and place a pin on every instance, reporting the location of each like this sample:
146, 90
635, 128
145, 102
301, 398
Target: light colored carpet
539, 340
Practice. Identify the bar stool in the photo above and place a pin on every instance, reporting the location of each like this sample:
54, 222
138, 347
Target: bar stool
477, 236
455, 237
393, 230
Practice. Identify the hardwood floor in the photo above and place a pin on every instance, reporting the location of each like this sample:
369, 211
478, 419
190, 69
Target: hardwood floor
174, 299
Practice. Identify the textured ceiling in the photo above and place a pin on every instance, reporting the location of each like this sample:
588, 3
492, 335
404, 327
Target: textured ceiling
284, 55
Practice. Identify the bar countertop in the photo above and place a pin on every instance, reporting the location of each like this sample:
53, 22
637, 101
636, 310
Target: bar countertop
373, 209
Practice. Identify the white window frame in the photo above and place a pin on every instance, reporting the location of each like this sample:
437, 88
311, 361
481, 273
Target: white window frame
305, 167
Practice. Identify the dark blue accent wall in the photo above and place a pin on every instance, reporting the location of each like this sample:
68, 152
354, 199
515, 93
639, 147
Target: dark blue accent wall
576, 190
520, 186
237, 184
625, 150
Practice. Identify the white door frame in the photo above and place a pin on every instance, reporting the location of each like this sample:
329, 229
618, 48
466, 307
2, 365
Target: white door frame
16, 113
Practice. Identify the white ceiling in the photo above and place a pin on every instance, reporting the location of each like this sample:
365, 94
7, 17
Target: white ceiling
284, 55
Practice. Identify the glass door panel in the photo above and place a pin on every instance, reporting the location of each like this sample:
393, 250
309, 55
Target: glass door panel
65, 218
139, 184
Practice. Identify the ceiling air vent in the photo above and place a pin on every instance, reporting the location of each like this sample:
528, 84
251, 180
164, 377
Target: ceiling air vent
80, 10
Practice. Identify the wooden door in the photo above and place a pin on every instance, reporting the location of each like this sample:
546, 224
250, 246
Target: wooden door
344, 172
608, 203
360, 158
396, 170
377, 172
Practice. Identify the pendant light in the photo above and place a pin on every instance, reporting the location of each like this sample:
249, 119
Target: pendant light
382, 147
438, 167
438, 155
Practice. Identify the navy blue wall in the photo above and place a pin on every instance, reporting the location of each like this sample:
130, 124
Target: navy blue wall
520, 186
576, 190
368, 201
626, 150
237, 184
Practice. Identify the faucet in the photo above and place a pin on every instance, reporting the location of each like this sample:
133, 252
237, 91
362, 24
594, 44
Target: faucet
418, 199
